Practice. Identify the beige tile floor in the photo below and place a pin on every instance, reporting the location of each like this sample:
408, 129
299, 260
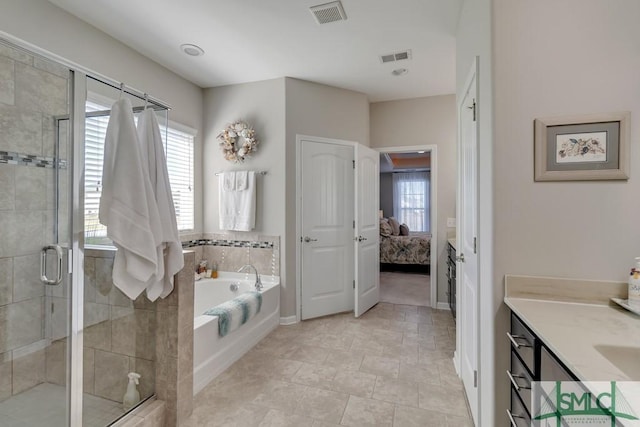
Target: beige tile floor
391, 367
405, 288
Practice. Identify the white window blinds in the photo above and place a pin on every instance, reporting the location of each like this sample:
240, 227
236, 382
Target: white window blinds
179, 148
179, 153
411, 200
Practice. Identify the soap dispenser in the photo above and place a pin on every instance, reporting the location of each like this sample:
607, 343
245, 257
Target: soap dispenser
634, 285
132, 396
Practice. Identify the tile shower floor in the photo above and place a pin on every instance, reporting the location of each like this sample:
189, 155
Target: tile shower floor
45, 405
391, 367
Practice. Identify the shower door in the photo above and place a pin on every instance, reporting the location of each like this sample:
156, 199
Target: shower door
35, 239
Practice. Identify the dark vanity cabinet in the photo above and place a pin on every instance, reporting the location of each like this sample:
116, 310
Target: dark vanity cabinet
451, 277
531, 361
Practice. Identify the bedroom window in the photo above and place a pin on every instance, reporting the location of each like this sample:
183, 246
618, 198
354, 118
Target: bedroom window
411, 200
179, 149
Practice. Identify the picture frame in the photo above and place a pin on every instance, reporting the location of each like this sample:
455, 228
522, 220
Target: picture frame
582, 148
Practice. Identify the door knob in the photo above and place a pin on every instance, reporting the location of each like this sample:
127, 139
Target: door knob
460, 258
360, 238
308, 239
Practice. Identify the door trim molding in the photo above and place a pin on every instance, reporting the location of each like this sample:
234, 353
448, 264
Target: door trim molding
299, 139
472, 76
433, 203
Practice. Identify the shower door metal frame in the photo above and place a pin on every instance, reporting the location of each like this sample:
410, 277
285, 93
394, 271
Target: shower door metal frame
76, 255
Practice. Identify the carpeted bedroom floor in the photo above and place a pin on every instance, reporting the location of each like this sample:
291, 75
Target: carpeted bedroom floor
405, 288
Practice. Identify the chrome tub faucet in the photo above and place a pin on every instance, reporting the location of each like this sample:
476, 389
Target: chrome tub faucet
258, 283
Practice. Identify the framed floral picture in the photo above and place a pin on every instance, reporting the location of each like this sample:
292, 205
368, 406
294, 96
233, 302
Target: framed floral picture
582, 148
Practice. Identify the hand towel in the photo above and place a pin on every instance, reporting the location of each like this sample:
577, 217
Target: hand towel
229, 180
237, 208
127, 206
170, 251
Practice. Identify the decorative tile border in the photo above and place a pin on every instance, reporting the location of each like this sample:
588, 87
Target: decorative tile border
227, 243
19, 159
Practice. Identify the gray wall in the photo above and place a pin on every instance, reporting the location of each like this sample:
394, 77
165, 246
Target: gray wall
386, 194
279, 110
424, 121
565, 229
42, 24
316, 110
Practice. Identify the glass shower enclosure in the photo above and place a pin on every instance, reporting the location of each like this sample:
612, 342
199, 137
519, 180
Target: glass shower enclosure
68, 337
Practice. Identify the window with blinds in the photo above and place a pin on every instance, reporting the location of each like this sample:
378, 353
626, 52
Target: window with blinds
179, 148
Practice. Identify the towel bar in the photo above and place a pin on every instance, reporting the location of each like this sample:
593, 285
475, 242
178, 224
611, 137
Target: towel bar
258, 172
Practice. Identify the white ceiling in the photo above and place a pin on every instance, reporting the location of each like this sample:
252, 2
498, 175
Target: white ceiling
252, 40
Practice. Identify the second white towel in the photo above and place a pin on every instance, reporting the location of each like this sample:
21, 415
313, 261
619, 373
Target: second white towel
237, 207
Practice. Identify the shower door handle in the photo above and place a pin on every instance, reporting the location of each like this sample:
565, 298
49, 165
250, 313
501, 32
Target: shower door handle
43, 265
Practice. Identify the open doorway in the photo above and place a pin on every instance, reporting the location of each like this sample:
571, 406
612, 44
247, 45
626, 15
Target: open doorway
407, 225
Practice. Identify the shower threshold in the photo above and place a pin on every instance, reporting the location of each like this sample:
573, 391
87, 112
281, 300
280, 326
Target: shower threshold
45, 405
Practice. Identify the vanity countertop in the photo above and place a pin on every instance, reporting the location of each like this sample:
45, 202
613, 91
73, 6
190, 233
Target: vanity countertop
594, 338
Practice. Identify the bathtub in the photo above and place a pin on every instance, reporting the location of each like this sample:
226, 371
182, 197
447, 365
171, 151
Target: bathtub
212, 353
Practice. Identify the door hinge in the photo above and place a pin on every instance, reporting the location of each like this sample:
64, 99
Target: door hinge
474, 110
475, 241
475, 378
354, 223
354, 284
354, 164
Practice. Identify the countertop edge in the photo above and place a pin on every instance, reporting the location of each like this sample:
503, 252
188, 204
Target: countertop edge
512, 303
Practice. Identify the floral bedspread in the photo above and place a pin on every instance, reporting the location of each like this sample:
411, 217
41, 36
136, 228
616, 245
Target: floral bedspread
405, 249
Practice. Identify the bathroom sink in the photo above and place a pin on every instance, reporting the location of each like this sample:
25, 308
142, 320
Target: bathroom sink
627, 359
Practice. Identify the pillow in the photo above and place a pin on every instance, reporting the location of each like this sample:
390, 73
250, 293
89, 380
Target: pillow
404, 230
385, 228
395, 226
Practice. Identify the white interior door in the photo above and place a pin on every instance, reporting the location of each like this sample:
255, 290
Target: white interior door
327, 210
367, 292
467, 268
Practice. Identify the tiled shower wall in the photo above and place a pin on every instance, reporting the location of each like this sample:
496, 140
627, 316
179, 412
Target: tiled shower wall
32, 92
119, 335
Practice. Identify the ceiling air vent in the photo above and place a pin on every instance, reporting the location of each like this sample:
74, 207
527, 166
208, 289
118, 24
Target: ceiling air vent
397, 56
328, 12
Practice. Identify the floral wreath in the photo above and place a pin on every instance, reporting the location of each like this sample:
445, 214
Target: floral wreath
229, 136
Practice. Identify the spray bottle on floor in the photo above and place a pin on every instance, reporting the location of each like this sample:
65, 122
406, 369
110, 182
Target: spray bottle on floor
132, 396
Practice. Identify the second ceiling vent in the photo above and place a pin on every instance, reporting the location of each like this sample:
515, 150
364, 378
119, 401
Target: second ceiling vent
328, 12
397, 56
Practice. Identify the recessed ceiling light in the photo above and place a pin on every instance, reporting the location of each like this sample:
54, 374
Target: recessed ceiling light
421, 152
399, 71
192, 49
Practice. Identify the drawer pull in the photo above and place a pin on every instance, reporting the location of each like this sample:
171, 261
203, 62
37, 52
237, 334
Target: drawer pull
513, 339
511, 416
512, 378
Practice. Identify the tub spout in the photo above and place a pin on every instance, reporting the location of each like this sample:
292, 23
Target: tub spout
258, 283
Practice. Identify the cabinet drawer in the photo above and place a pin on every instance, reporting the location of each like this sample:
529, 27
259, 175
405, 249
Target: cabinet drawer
518, 416
551, 369
451, 252
524, 343
521, 380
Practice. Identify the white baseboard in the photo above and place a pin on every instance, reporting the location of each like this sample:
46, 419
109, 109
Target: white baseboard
289, 320
456, 363
443, 306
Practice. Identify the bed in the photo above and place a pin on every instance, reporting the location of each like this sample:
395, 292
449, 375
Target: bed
411, 249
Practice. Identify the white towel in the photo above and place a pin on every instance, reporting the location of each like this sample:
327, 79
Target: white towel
237, 208
170, 250
127, 205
